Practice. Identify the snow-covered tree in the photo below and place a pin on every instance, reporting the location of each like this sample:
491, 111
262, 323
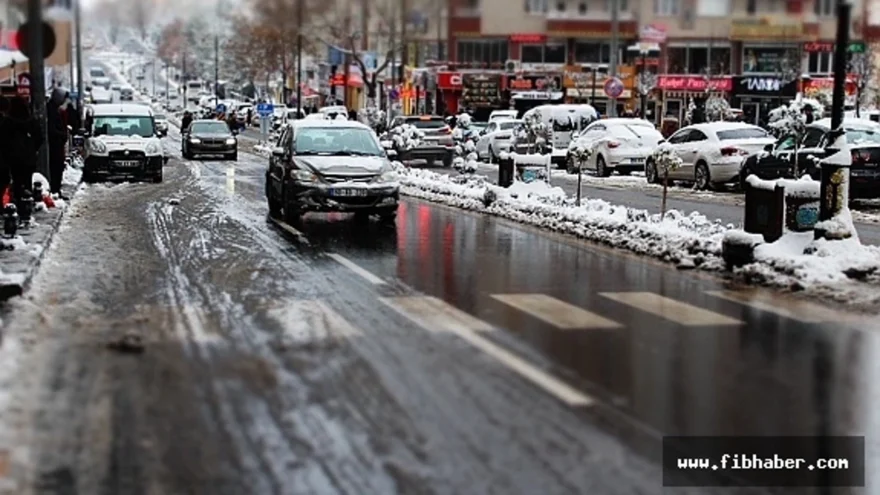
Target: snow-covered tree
534, 131
665, 160
792, 120
862, 65
689, 114
717, 109
405, 137
373, 117
646, 83
581, 153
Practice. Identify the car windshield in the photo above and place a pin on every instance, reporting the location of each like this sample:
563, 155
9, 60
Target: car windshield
109, 125
96, 73
427, 123
862, 136
215, 127
744, 133
336, 141
506, 126
159, 117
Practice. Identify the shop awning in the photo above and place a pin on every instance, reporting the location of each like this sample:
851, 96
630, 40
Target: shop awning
693, 94
538, 95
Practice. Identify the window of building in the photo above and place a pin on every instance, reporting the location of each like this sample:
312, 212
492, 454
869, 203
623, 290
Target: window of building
482, 51
752, 6
550, 53
537, 6
713, 8
560, 6
819, 63
698, 60
582, 8
622, 5
824, 7
592, 53
666, 7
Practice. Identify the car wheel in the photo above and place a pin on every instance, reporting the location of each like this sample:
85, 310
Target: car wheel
157, 178
651, 174
274, 204
291, 213
601, 169
702, 180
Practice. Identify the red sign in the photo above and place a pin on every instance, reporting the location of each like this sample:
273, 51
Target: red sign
23, 88
449, 80
827, 84
818, 47
694, 83
528, 38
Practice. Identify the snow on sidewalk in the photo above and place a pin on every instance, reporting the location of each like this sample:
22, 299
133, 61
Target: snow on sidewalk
836, 269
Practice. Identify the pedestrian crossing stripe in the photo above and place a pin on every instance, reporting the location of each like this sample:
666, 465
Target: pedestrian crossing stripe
558, 313
670, 309
433, 314
787, 307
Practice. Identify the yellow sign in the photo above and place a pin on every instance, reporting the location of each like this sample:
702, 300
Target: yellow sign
765, 28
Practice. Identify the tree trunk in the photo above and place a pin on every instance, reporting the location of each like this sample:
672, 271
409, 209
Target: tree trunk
370, 83
663, 201
858, 100
795, 168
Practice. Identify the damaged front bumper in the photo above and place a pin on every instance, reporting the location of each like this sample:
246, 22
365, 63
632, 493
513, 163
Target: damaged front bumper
324, 198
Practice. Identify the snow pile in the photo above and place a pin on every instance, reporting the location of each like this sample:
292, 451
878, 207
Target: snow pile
692, 240
262, 149
405, 137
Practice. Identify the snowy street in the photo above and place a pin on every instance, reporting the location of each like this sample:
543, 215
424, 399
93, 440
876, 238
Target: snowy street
174, 341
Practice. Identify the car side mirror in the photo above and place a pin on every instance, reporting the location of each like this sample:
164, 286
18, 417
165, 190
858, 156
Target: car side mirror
278, 152
768, 147
391, 153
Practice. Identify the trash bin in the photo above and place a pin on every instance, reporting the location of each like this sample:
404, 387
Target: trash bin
505, 172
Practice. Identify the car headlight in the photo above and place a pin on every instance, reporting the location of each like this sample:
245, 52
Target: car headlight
387, 177
153, 149
303, 175
97, 146
230, 141
195, 140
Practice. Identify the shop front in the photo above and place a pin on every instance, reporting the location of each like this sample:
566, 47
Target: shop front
758, 95
529, 90
480, 94
677, 91
821, 89
449, 88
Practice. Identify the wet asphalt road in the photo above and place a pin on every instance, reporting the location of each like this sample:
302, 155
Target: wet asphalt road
449, 354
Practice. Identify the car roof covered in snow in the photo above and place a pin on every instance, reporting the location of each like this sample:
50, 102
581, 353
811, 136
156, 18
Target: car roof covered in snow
721, 126
620, 121
850, 122
117, 109
353, 124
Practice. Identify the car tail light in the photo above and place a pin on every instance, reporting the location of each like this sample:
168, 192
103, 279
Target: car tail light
859, 157
613, 144
733, 151
446, 130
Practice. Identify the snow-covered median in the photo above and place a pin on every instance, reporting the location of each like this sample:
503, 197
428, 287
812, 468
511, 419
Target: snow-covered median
690, 241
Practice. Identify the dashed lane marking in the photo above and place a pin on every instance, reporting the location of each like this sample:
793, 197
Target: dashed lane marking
434, 314
795, 309
369, 277
670, 309
305, 321
558, 313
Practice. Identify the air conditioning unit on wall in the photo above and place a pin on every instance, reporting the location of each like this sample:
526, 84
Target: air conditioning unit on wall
512, 66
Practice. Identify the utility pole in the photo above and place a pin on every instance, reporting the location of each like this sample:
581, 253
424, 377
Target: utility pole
615, 50
299, 55
183, 78
167, 77
38, 80
216, 70
834, 185
77, 22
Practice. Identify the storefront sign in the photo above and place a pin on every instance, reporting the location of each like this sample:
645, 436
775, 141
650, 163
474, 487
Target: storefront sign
449, 80
827, 84
652, 33
764, 87
761, 84
826, 47
534, 83
765, 28
481, 90
528, 38
767, 60
694, 83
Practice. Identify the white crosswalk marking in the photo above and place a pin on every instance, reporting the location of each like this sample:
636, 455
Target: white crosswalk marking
304, 321
795, 309
369, 277
434, 314
555, 312
670, 309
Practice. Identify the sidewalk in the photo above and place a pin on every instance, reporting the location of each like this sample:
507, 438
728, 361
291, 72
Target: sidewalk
22, 255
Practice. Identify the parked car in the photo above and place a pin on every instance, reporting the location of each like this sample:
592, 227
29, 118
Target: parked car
623, 145
208, 137
863, 135
161, 124
437, 145
495, 139
503, 115
99, 95
126, 93
121, 142
330, 166
712, 153
561, 121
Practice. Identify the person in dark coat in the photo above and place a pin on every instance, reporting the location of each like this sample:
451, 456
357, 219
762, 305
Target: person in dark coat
186, 121
57, 139
20, 136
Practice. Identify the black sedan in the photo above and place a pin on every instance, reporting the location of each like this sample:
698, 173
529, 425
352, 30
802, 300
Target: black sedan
778, 160
330, 166
209, 137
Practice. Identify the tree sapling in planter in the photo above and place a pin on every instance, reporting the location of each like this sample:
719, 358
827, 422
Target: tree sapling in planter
791, 121
665, 159
580, 153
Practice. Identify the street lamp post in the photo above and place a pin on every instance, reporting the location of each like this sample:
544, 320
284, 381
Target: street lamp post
834, 186
167, 76
299, 40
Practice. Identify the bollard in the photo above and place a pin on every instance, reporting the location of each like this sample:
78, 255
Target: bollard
505, 172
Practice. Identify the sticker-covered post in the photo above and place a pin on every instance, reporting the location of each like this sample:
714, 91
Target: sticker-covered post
834, 186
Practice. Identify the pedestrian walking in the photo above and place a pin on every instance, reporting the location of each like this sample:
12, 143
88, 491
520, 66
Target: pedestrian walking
186, 120
20, 139
57, 139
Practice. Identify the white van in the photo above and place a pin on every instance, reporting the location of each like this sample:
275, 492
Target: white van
564, 120
122, 142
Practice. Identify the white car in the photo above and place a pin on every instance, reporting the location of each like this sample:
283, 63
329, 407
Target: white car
617, 144
122, 142
332, 112
712, 153
503, 115
495, 139
100, 95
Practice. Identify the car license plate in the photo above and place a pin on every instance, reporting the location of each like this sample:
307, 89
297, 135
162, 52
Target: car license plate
637, 160
127, 163
348, 193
